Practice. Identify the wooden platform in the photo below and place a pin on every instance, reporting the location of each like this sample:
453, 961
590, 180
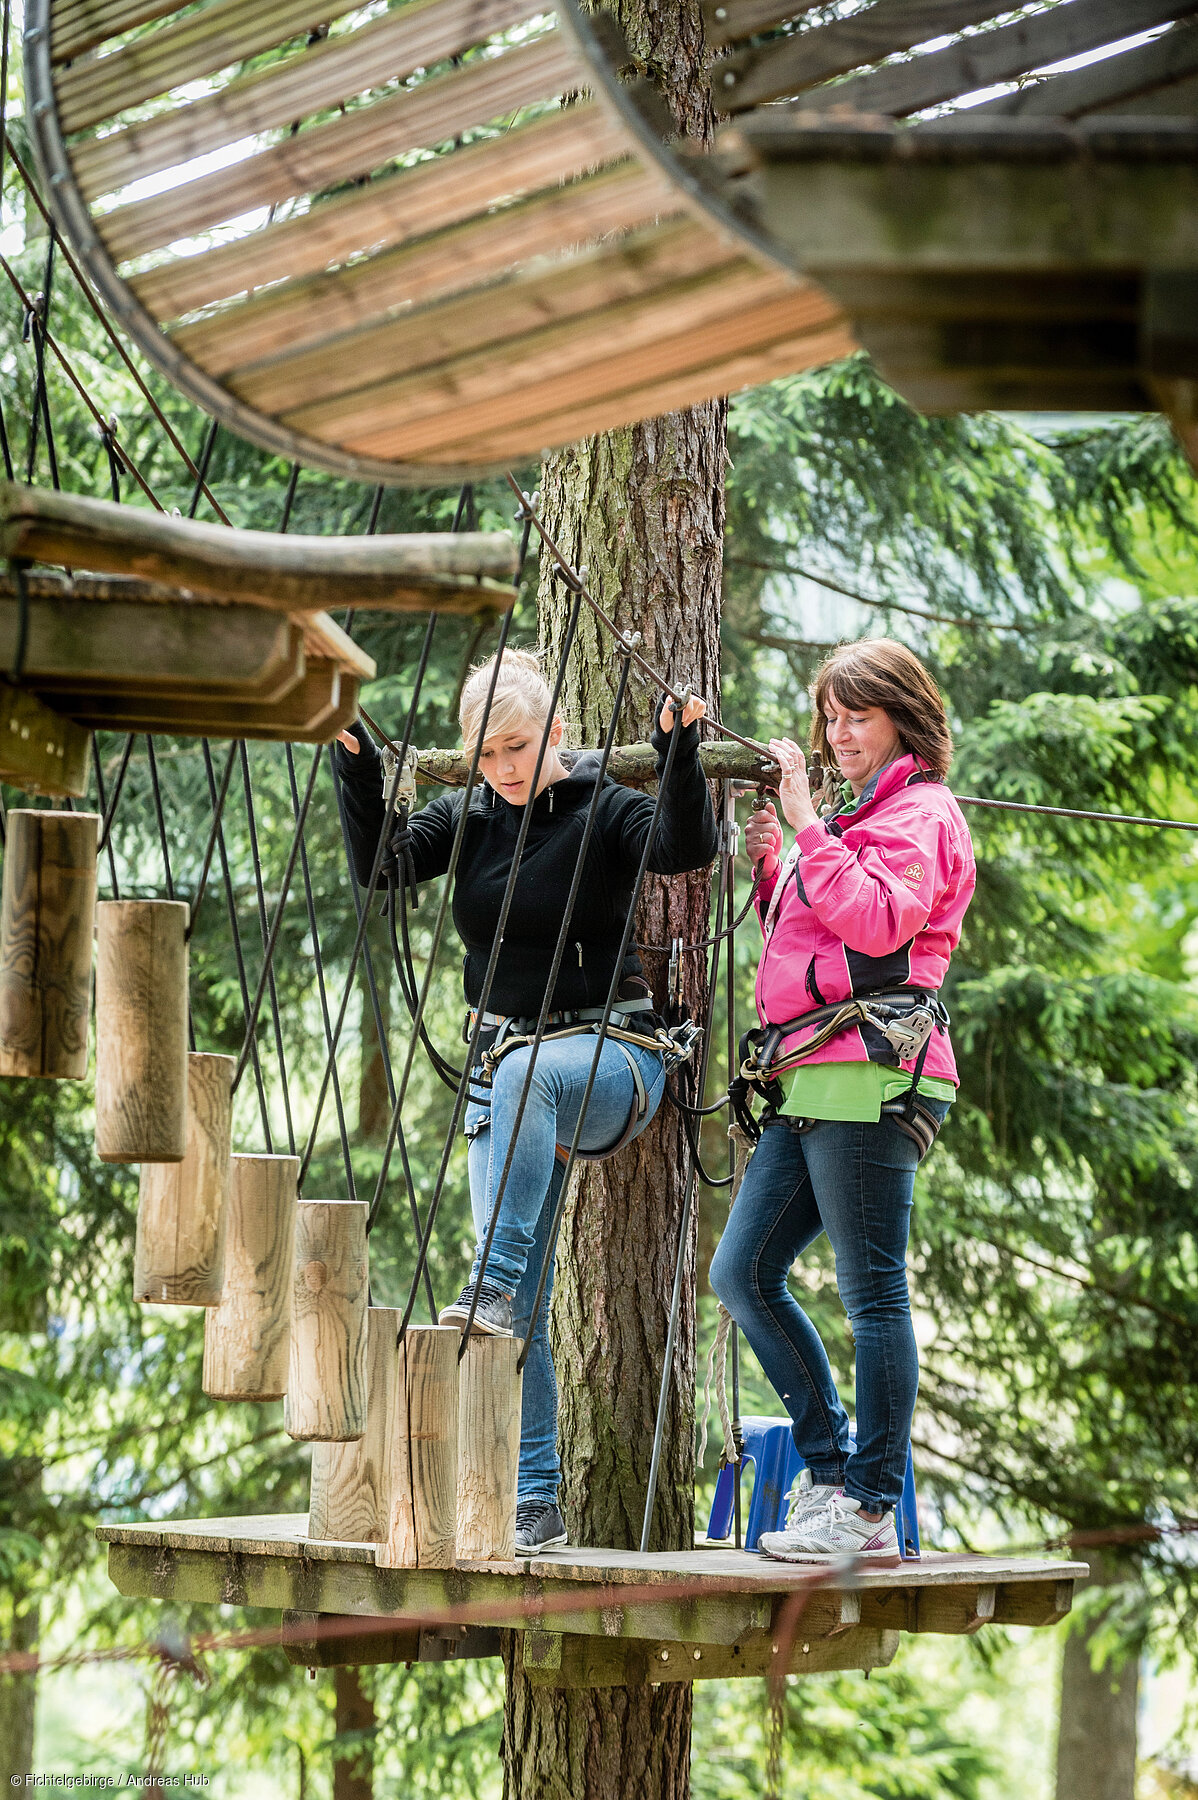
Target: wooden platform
590, 1617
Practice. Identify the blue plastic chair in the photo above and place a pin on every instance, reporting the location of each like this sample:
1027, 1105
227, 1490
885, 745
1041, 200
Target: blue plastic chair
769, 1445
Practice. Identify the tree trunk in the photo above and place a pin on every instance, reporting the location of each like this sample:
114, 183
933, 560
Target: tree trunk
18, 1694
353, 1753
1096, 1749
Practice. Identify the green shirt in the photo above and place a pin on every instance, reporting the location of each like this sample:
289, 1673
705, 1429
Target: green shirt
852, 1090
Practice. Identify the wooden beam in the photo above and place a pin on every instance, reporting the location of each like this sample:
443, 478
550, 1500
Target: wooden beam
78, 645
961, 68
940, 392
867, 36
1150, 68
389, 49
405, 573
635, 764
1064, 351
873, 294
313, 712
957, 1611
983, 214
41, 752
330, 1645
553, 1659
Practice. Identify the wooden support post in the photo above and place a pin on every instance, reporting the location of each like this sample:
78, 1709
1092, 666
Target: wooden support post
141, 1031
424, 1453
553, 1659
47, 917
326, 1382
488, 1448
351, 1482
179, 1257
246, 1337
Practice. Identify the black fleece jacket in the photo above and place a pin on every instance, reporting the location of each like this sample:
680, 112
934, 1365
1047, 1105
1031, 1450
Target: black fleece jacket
685, 839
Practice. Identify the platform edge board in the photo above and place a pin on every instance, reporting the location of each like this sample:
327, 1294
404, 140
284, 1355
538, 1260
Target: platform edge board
312, 1584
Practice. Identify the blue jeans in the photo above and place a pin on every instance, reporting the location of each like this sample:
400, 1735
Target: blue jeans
855, 1181
521, 1242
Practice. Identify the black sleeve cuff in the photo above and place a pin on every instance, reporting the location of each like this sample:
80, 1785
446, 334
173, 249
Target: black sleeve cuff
366, 765
688, 745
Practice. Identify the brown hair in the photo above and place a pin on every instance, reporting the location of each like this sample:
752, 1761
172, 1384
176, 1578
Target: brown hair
881, 672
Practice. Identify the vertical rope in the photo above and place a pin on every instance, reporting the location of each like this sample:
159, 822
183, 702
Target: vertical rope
231, 908
269, 936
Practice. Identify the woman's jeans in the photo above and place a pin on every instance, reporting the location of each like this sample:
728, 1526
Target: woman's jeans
521, 1243
853, 1180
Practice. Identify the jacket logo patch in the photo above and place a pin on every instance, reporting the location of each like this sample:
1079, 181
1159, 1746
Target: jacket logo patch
913, 873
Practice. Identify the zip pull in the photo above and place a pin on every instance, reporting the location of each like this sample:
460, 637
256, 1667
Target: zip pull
578, 947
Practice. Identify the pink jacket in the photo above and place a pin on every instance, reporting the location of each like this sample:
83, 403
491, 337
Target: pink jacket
872, 901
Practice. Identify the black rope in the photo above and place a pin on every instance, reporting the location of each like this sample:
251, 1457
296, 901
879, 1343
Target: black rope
217, 812
99, 774
205, 457
505, 906
36, 329
732, 829
118, 784
551, 983
685, 1221
235, 933
321, 986
19, 566
156, 790
5, 27
364, 914
405, 969
601, 1031
268, 936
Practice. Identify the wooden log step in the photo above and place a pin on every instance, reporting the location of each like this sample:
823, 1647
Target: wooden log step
321, 309
532, 299
488, 1448
724, 373
421, 1526
141, 1031
198, 44
351, 1482
41, 750
287, 573
77, 644
247, 1337
79, 25
418, 36
320, 705
366, 139
472, 397
47, 915
976, 62
326, 1380
179, 1251
392, 210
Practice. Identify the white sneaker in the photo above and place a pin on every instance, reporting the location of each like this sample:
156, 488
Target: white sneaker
836, 1530
806, 1496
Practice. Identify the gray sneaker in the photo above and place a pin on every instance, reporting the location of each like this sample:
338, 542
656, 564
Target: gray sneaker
539, 1526
492, 1315
806, 1496
836, 1530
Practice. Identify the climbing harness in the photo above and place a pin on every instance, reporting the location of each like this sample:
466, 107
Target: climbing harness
905, 1017
674, 1044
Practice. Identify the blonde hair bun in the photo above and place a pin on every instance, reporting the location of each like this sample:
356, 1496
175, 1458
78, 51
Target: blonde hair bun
522, 697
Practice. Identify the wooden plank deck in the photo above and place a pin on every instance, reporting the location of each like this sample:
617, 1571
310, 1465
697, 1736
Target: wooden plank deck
589, 1616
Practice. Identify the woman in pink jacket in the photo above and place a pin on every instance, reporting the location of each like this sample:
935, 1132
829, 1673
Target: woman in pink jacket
860, 918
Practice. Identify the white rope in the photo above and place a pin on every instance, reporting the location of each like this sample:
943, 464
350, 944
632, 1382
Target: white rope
717, 1356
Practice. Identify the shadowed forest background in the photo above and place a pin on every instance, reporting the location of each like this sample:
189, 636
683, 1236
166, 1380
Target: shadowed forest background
1049, 576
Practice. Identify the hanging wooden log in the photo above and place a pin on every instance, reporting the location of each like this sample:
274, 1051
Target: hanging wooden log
47, 917
421, 1524
179, 1256
326, 1382
488, 1449
40, 750
141, 1030
246, 1337
350, 1495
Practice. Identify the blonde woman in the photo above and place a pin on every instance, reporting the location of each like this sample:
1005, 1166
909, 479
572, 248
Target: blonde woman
629, 1081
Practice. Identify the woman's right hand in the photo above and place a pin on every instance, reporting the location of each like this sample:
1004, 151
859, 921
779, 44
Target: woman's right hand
763, 839
350, 741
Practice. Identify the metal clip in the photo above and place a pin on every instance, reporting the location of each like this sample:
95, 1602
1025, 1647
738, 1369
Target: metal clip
526, 511
627, 643
397, 784
674, 975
